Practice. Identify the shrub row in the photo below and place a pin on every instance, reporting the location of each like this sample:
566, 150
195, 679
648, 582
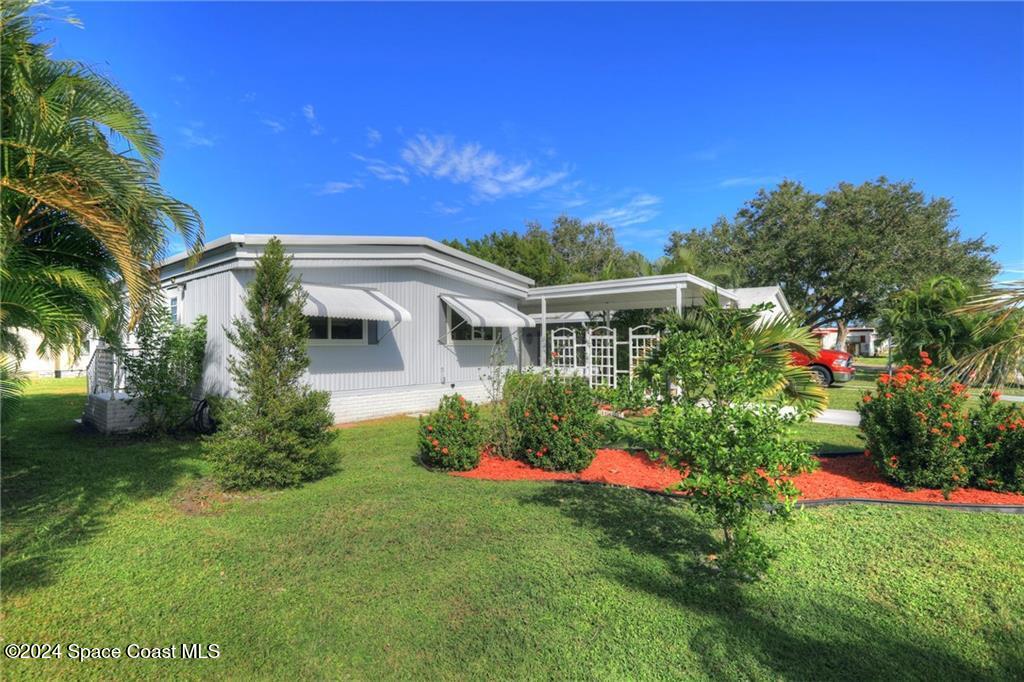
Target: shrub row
920, 433
552, 424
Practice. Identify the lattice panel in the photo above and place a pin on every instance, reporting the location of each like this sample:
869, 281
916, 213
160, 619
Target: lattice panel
601, 361
642, 340
563, 349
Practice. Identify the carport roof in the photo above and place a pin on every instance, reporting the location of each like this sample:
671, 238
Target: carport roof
658, 291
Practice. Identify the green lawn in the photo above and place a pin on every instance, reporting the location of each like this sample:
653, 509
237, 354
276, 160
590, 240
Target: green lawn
870, 362
385, 570
847, 396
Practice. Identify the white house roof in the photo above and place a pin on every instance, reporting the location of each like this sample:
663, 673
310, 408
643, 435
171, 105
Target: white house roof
352, 303
659, 291
751, 296
241, 251
480, 312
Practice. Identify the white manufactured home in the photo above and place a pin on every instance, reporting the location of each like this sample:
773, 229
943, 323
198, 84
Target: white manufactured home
397, 322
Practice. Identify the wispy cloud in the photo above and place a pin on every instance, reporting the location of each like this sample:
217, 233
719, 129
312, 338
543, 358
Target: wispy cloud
310, 115
373, 137
489, 174
641, 208
382, 170
274, 125
338, 187
713, 152
750, 181
248, 98
193, 136
178, 78
446, 210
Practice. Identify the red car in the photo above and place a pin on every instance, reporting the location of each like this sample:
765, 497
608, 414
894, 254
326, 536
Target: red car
828, 366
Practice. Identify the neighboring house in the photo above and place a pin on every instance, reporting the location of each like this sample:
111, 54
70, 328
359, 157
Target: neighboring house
862, 341
60, 365
396, 322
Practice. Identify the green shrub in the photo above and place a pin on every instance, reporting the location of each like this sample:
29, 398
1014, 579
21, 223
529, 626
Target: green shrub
451, 437
554, 418
722, 425
277, 433
995, 444
164, 372
916, 427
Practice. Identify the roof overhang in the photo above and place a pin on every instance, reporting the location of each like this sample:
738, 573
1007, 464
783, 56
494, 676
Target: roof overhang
660, 291
481, 312
240, 251
352, 303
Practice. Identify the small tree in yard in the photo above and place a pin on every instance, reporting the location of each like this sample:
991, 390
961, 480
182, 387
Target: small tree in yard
165, 371
721, 422
276, 433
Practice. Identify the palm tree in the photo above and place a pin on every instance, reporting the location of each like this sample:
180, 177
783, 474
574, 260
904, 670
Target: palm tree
84, 217
1000, 359
685, 260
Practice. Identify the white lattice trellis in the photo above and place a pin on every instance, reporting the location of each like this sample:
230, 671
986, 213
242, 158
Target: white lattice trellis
642, 340
563, 348
601, 356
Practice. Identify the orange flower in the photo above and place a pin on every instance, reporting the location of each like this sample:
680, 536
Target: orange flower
867, 398
444, 451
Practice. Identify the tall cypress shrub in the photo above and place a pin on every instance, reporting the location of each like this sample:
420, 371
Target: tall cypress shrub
276, 432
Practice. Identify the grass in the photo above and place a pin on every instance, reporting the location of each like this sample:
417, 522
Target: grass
386, 570
828, 438
870, 362
847, 396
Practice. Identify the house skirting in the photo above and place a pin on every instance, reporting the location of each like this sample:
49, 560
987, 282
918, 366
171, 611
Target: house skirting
354, 406
111, 413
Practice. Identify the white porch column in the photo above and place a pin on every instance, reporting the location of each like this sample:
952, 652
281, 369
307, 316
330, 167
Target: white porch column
543, 332
679, 299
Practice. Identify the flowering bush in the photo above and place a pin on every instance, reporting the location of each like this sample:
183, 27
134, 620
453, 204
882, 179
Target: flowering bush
996, 444
916, 428
451, 437
555, 419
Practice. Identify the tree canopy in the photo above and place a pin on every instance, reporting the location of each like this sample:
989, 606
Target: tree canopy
841, 255
572, 250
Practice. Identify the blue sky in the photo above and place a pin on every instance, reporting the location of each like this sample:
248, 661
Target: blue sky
456, 120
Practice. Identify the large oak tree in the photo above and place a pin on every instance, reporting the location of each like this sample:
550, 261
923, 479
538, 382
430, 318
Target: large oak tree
840, 256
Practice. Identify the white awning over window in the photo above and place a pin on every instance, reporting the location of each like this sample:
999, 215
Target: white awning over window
352, 303
480, 312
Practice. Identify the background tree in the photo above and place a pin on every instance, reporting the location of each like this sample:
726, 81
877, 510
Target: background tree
276, 434
81, 202
840, 256
570, 251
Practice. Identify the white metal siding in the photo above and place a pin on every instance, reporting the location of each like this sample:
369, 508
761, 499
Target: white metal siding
219, 298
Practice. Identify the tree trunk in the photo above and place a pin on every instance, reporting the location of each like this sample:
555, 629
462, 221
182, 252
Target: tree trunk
842, 330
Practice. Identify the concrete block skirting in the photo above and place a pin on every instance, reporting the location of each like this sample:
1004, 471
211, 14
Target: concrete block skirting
354, 406
111, 413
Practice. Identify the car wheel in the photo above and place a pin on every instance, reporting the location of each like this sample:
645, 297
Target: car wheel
821, 374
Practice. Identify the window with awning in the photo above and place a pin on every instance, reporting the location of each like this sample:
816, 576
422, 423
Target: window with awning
480, 320
348, 314
352, 303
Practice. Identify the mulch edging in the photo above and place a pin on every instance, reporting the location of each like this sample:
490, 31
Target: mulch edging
842, 479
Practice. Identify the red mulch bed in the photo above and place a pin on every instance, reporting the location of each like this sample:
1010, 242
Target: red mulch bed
837, 477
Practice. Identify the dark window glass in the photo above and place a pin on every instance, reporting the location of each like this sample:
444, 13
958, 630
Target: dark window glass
350, 330
317, 327
462, 331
